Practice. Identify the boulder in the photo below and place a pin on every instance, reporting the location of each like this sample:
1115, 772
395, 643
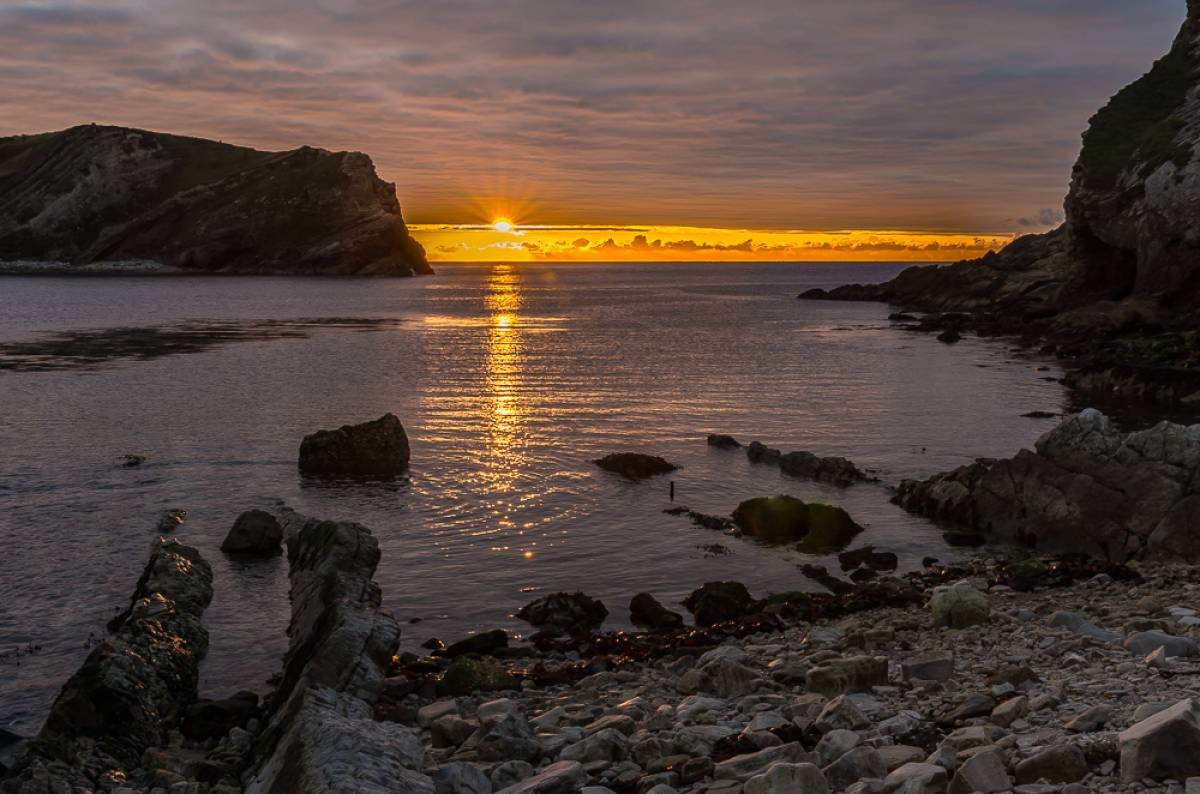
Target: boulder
1165, 745
916, 778
860, 762
506, 738
574, 614
840, 714
958, 606
868, 557
931, 666
852, 674
646, 611
1077, 625
717, 602
635, 465
255, 532
607, 744
982, 773
460, 778
835, 470
758, 452
722, 441
371, 449
483, 643
814, 528
1063, 763
1143, 643
748, 765
785, 778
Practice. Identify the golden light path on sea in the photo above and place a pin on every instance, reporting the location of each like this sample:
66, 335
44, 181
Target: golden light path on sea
504, 240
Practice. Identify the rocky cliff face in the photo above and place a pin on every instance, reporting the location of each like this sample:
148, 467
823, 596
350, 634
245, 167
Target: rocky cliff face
1126, 263
92, 193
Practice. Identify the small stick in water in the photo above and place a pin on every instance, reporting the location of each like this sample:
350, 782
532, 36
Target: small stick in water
672, 490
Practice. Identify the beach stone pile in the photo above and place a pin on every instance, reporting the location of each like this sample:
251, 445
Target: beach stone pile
1081, 689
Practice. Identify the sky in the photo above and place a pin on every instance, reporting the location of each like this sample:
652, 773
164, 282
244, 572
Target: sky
785, 129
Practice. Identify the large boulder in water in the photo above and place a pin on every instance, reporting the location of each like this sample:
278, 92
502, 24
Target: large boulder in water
816, 528
370, 449
255, 532
635, 465
575, 614
646, 611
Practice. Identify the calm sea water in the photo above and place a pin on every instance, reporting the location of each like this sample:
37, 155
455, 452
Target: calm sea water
509, 380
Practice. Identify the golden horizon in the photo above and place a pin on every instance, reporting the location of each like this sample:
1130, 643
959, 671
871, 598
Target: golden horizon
504, 239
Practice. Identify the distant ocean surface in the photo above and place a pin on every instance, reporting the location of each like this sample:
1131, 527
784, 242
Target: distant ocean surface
510, 379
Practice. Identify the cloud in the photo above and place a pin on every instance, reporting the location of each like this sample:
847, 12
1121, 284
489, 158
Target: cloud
945, 114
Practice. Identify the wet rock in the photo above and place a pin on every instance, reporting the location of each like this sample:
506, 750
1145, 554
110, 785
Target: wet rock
484, 643
1064, 763
716, 602
838, 471
254, 532
133, 687
785, 778
466, 675
646, 611
958, 606
371, 449
1144, 643
949, 336
634, 465
171, 520
868, 557
815, 528
212, 719
563, 777
821, 575
758, 452
1166, 745
130, 461
574, 614
723, 441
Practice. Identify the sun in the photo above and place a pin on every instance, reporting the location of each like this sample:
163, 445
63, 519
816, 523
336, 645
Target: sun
503, 225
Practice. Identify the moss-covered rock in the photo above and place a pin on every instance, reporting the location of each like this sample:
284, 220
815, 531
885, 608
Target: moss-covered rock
816, 528
466, 675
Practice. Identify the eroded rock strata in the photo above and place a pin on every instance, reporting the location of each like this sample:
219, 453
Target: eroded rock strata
1085, 488
132, 689
93, 194
1116, 289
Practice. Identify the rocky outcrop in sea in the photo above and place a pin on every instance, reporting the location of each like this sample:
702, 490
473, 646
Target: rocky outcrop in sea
1116, 289
94, 194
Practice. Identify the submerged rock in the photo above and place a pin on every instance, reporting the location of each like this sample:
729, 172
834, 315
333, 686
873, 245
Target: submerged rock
134, 687
723, 441
816, 528
371, 449
254, 532
634, 465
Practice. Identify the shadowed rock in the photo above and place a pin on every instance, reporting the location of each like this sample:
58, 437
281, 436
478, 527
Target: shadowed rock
371, 449
255, 532
634, 465
815, 528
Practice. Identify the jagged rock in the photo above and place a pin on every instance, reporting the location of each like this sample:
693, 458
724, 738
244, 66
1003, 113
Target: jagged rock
1064, 763
370, 449
563, 777
722, 441
748, 765
860, 762
92, 193
840, 713
716, 602
1165, 745
320, 733
1086, 488
254, 532
784, 778
835, 744
635, 465
958, 606
816, 528
646, 611
838, 471
485, 642
133, 687
607, 744
507, 738
757, 452
574, 614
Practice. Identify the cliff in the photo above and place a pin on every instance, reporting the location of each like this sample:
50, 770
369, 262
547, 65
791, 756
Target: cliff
1119, 282
92, 194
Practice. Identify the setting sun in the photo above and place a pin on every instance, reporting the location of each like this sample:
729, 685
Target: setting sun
502, 225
